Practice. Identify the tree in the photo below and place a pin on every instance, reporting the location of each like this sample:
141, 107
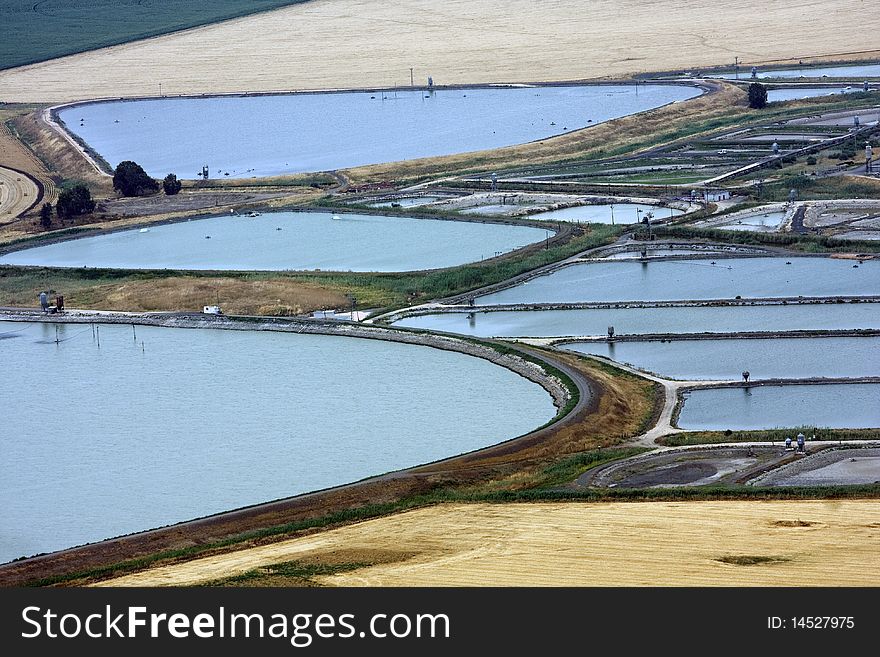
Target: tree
46, 215
130, 179
171, 184
74, 201
757, 95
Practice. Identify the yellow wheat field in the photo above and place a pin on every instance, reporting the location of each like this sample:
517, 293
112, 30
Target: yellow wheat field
813, 543
357, 43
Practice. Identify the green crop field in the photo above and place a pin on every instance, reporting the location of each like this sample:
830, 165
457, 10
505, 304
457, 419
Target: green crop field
37, 30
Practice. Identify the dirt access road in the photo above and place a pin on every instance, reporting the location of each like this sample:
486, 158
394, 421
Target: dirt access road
796, 543
360, 43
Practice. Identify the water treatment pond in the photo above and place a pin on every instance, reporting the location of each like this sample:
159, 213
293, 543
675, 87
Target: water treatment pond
775, 95
639, 321
180, 423
619, 213
850, 405
783, 358
756, 222
287, 240
669, 280
857, 71
268, 135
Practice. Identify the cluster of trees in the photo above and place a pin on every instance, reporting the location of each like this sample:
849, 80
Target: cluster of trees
757, 95
129, 179
74, 201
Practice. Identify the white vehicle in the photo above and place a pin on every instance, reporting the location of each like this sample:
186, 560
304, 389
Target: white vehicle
212, 310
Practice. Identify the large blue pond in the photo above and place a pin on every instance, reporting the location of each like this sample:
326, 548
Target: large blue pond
247, 136
140, 427
287, 240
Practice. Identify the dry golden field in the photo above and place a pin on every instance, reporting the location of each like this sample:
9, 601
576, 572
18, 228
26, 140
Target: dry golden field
13, 153
17, 193
795, 543
359, 43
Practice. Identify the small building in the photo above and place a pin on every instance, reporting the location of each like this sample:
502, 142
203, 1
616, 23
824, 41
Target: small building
715, 195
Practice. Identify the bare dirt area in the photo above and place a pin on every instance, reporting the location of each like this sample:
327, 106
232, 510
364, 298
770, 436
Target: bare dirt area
356, 43
185, 201
774, 543
693, 467
278, 296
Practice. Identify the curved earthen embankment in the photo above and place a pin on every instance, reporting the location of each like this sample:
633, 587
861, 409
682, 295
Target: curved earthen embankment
467, 468
516, 363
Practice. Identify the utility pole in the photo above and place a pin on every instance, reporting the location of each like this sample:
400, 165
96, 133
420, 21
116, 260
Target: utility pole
736, 67
412, 82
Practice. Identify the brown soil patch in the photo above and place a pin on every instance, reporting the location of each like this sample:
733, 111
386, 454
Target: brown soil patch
238, 297
355, 43
793, 523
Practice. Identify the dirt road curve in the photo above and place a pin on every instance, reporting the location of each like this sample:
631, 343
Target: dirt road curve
17, 194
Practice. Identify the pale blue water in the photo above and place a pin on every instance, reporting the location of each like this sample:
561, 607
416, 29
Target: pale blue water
857, 72
307, 240
639, 321
784, 358
775, 95
270, 135
99, 442
623, 213
695, 279
757, 222
849, 406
